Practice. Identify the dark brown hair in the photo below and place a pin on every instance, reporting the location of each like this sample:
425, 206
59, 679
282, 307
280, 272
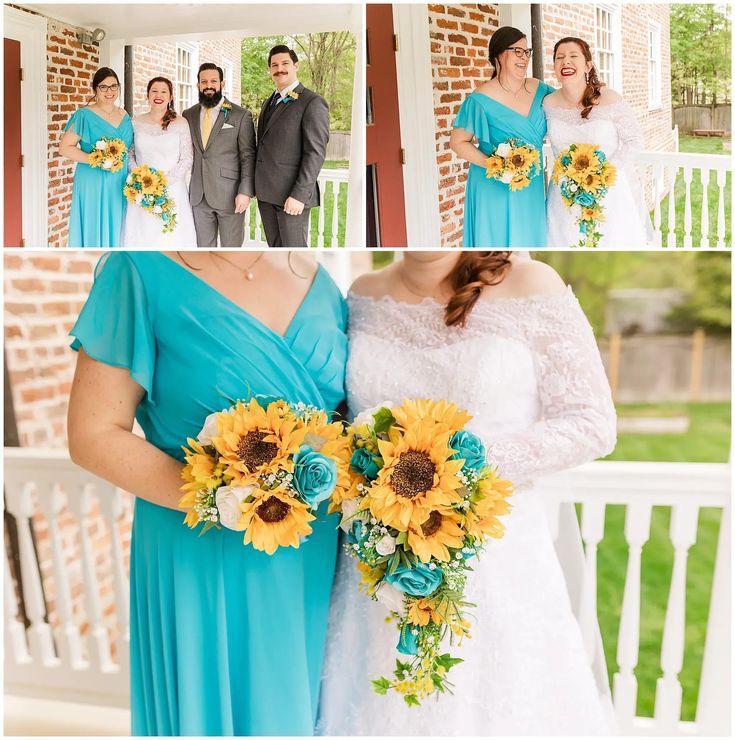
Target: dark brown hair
170, 113
102, 74
473, 272
594, 84
500, 41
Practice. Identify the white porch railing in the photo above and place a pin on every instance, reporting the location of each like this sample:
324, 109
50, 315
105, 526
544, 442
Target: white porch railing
74, 663
331, 184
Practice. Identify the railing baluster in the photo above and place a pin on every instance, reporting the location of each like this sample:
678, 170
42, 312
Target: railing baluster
335, 215
80, 504
16, 647
625, 685
322, 208
721, 180
704, 179
671, 236
259, 233
658, 176
593, 527
248, 212
70, 642
687, 172
683, 534
40, 637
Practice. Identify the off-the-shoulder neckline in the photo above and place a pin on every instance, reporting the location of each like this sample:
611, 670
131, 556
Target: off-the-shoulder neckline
579, 110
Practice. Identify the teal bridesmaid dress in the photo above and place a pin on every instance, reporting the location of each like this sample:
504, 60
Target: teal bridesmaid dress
493, 215
97, 200
224, 639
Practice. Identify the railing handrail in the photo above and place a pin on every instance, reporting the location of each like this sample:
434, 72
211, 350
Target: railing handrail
335, 175
721, 162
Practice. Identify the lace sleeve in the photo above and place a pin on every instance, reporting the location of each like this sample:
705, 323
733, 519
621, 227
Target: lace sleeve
577, 421
629, 131
186, 152
132, 164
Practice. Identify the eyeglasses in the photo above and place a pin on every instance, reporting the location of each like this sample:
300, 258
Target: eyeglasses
106, 88
520, 51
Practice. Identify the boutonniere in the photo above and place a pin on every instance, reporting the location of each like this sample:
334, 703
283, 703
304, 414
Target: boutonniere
226, 108
290, 95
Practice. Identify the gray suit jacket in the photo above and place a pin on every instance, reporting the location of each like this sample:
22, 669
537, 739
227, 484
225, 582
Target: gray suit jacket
226, 167
292, 145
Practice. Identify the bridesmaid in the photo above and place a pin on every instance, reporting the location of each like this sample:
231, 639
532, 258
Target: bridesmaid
225, 640
97, 201
506, 106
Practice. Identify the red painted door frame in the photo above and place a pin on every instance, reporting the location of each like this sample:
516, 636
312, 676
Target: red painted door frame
13, 182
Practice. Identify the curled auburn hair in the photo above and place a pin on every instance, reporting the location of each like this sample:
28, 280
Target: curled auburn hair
170, 113
473, 272
594, 84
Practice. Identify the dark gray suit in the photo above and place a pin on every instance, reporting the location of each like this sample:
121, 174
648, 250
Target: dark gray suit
225, 168
292, 145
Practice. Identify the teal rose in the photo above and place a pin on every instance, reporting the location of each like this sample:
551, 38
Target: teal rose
363, 463
417, 581
468, 448
315, 476
584, 199
408, 643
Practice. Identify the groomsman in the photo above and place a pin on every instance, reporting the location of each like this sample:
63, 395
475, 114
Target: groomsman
222, 176
293, 131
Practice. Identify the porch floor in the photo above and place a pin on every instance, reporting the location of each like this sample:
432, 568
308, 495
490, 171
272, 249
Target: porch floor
41, 717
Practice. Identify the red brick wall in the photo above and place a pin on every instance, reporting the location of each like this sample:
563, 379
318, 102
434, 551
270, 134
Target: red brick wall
459, 37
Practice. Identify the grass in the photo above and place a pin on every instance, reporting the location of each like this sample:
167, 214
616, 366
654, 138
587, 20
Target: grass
699, 145
707, 440
328, 198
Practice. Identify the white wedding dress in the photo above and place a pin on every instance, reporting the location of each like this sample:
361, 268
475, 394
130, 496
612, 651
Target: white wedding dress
171, 151
529, 372
615, 130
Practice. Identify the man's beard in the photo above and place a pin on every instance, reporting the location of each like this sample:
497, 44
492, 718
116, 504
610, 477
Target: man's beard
210, 101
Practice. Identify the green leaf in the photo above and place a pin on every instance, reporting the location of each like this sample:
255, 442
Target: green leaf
394, 563
447, 661
381, 686
402, 538
412, 700
384, 420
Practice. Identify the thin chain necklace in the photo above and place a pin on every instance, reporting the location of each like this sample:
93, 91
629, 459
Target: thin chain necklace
515, 94
413, 292
247, 271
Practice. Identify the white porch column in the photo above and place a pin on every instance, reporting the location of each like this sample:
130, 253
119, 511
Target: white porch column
355, 226
517, 15
418, 124
112, 54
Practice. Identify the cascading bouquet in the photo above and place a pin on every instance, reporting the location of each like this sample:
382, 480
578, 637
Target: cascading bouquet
108, 155
584, 175
515, 163
147, 187
421, 504
263, 470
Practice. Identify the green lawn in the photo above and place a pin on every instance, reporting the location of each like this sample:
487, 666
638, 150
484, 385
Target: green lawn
700, 145
707, 440
327, 204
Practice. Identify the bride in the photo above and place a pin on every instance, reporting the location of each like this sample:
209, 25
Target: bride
584, 111
502, 337
161, 140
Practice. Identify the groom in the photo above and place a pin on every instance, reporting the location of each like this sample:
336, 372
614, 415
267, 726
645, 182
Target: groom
293, 131
224, 162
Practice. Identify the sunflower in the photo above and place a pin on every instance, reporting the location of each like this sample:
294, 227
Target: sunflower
254, 441
371, 577
421, 611
116, 166
130, 193
95, 158
202, 469
482, 519
417, 476
114, 148
442, 412
518, 182
608, 175
589, 213
340, 450
435, 535
591, 182
584, 161
519, 159
274, 519
493, 165
559, 171
148, 182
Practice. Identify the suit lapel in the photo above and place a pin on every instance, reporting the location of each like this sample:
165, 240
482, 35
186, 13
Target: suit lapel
196, 127
279, 109
262, 117
216, 126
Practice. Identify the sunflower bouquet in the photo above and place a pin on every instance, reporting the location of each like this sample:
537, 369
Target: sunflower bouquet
108, 155
515, 163
584, 176
421, 504
263, 469
148, 187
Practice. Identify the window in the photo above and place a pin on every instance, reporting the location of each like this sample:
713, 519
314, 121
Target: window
227, 92
608, 51
185, 76
654, 65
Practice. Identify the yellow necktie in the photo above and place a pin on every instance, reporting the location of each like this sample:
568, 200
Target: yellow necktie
206, 126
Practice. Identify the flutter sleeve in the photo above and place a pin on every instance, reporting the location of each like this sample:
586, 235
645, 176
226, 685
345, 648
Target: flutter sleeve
473, 119
577, 421
186, 152
114, 325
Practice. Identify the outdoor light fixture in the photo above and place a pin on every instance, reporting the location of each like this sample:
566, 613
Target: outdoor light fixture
90, 37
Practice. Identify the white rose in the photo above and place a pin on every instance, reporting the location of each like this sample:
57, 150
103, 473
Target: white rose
349, 509
386, 545
391, 597
228, 500
209, 430
366, 417
506, 177
106, 164
157, 209
129, 179
573, 187
503, 150
101, 145
139, 198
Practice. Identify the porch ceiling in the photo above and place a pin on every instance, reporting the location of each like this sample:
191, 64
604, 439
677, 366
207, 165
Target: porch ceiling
135, 22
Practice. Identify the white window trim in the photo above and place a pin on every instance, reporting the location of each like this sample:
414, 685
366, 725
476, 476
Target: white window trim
229, 71
31, 31
657, 102
193, 49
617, 43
